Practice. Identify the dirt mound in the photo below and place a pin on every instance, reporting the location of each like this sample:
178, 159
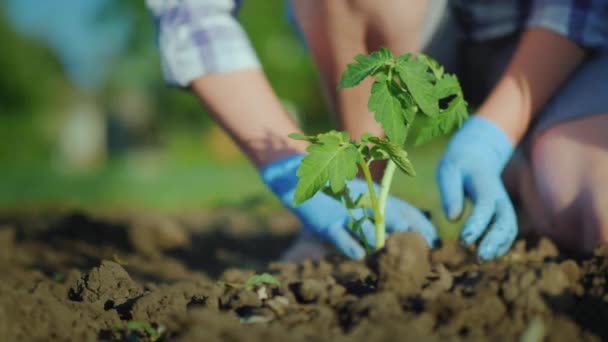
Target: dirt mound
404, 264
403, 292
107, 286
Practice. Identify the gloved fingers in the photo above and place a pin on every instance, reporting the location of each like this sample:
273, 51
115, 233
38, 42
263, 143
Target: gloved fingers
412, 219
477, 222
345, 243
501, 233
369, 230
451, 190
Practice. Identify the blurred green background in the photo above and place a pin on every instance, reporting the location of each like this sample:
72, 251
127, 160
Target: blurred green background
87, 122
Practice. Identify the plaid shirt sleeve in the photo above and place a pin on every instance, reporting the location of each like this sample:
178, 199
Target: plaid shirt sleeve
583, 21
199, 37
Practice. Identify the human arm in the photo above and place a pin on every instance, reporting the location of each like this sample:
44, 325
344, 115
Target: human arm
542, 61
244, 104
195, 52
472, 164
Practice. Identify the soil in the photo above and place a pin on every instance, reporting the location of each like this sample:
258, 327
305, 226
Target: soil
82, 277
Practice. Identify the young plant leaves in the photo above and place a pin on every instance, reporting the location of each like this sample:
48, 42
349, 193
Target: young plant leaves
416, 77
332, 159
452, 117
405, 87
447, 86
365, 66
389, 110
431, 63
449, 118
396, 153
300, 136
261, 279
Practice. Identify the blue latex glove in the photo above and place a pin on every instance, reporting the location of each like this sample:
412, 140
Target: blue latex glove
472, 165
328, 219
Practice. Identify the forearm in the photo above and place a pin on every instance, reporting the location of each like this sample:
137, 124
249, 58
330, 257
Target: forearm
541, 63
244, 104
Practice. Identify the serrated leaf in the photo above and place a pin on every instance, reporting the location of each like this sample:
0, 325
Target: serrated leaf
455, 115
409, 106
389, 110
450, 118
300, 136
432, 64
403, 58
364, 66
379, 153
397, 154
261, 279
447, 86
333, 159
415, 76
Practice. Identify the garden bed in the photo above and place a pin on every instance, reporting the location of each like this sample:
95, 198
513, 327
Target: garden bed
77, 277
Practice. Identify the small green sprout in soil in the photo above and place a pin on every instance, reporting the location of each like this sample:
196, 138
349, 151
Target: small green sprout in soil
58, 277
406, 88
119, 260
137, 331
254, 281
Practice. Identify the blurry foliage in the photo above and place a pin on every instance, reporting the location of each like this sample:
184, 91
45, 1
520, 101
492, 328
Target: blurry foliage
30, 85
30, 72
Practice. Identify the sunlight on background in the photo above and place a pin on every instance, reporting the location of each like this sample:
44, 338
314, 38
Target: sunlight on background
87, 121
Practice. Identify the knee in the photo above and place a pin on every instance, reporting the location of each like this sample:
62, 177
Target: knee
557, 183
568, 179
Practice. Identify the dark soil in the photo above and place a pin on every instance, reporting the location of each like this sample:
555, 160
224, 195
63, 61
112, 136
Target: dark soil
75, 277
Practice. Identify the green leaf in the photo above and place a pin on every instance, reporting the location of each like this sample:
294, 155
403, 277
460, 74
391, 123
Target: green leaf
397, 155
363, 201
378, 153
389, 110
403, 58
300, 136
450, 118
149, 329
365, 136
432, 64
333, 159
133, 325
356, 226
261, 279
415, 76
365, 66
447, 86
455, 115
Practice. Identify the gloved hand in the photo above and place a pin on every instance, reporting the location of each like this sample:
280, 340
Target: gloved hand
472, 165
328, 219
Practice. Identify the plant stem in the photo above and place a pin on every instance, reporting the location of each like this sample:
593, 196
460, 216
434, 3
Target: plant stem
378, 214
385, 185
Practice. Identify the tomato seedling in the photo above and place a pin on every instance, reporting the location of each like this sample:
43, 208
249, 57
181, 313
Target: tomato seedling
405, 88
